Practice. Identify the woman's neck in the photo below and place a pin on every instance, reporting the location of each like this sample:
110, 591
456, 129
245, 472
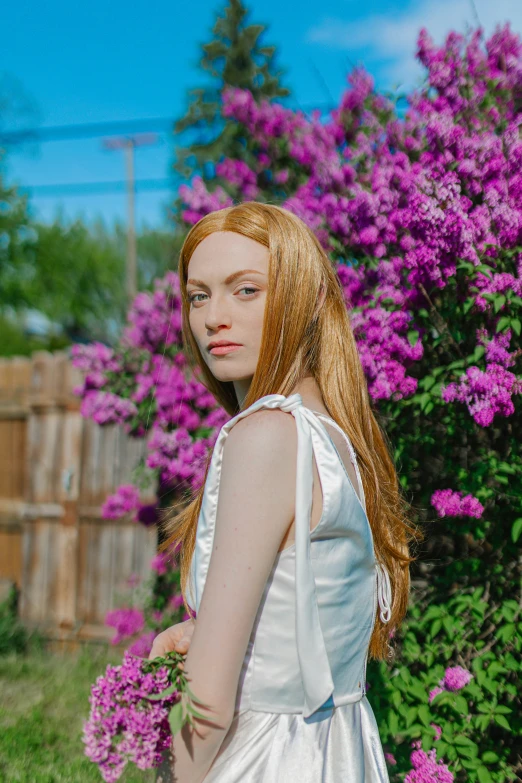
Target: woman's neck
309, 390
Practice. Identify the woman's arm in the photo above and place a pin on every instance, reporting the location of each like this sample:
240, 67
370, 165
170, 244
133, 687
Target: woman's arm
256, 507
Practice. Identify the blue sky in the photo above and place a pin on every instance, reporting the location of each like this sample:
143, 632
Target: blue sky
110, 61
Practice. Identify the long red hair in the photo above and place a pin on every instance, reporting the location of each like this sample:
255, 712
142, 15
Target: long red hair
297, 341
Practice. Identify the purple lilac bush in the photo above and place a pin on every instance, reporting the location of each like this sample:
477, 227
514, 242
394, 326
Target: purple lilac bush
421, 213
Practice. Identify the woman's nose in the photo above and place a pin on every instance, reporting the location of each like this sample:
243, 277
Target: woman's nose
216, 315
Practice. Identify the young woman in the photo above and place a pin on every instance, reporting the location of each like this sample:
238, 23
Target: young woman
301, 570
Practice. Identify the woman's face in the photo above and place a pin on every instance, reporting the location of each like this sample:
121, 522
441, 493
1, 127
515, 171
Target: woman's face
227, 286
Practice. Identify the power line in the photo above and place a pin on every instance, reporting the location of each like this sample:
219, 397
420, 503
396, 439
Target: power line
96, 129
100, 188
85, 130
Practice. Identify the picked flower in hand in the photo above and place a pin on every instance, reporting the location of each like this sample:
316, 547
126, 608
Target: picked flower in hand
136, 708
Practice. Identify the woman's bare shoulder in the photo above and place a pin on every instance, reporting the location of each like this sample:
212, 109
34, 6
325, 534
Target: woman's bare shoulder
266, 429
260, 452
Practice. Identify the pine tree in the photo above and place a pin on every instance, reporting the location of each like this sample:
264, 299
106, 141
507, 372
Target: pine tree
236, 58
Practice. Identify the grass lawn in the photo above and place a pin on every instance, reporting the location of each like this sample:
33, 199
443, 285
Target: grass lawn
43, 703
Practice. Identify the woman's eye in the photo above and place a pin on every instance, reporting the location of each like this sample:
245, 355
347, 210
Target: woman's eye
193, 297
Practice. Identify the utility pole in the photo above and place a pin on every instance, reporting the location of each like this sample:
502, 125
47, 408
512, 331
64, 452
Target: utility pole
129, 144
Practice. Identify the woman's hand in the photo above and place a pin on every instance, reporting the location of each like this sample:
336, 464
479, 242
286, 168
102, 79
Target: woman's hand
177, 638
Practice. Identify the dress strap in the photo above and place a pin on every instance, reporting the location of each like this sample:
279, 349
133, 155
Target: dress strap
353, 455
384, 591
314, 665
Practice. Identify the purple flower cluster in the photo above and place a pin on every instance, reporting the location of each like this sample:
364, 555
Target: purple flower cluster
104, 407
426, 768
126, 621
125, 500
403, 202
124, 725
97, 360
160, 562
453, 504
455, 678
176, 601
488, 392
199, 201
238, 174
155, 318
419, 194
143, 645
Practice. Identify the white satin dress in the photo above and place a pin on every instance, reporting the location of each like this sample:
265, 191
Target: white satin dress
301, 710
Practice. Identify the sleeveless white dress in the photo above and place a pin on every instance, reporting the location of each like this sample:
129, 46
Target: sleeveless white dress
301, 711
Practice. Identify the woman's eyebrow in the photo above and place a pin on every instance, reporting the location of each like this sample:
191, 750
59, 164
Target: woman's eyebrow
229, 279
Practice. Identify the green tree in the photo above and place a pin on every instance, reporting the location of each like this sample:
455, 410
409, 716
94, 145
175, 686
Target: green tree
15, 239
235, 57
76, 275
157, 253
17, 108
78, 279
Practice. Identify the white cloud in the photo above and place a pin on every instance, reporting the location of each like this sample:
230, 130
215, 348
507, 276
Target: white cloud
392, 37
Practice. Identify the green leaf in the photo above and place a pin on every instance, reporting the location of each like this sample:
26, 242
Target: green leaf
163, 695
516, 530
176, 718
502, 323
501, 720
197, 714
516, 326
432, 612
482, 722
505, 467
393, 723
396, 699
191, 694
411, 716
489, 757
462, 705
486, 270
467, 747
506, 632
483, 775
468, 304
435, 627
478, 353
503, 710
424, 715
491, 686
472, 763
499, 302
495, 667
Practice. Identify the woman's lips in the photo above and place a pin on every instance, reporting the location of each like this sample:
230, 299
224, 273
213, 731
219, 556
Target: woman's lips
222, 349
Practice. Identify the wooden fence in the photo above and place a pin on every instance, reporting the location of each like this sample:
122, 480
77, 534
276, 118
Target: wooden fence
56, 469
